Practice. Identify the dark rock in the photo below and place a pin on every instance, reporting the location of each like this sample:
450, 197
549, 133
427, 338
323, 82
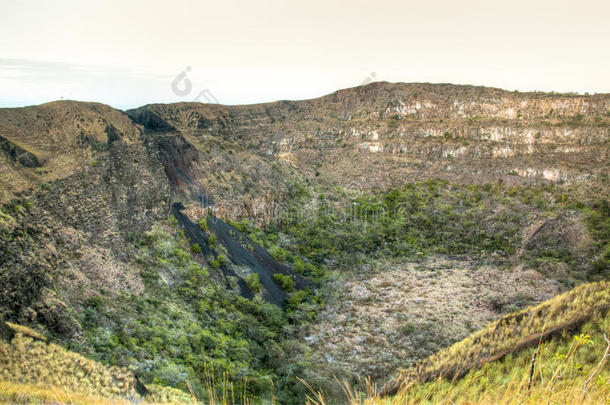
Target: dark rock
113, 133
6, 333
149, 120
17, 154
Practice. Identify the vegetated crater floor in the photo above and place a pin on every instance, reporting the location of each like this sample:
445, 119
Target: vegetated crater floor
392, 313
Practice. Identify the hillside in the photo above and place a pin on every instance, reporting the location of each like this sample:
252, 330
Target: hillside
33, 369
511, 334
555, 352
348, 236
385, 134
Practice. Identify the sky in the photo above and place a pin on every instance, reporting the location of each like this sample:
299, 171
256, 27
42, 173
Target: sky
131, 53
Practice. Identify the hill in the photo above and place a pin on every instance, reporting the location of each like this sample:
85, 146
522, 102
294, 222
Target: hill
385, 134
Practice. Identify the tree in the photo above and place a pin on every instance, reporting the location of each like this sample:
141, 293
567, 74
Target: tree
253, 282
285, 282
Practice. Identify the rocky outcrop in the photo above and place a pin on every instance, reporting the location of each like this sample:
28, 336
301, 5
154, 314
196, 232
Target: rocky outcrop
242, 253
149, 120
386, 134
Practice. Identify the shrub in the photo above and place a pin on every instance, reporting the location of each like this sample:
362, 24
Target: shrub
299, 267
408, 328
222, 259
298, 298
196, 248
285, 282
278, 253
253, 282
212, 241
96, 302
203, 224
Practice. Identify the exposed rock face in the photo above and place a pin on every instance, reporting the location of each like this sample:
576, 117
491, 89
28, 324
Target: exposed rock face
383, 135
177, 156
149, 119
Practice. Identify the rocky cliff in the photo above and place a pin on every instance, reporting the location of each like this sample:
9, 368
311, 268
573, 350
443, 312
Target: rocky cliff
383, 135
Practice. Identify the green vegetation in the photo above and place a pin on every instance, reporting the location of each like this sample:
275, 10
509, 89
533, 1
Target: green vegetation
278, 253
212, 241
307, 269
438, 217
269, 238
432, 217
408, 328
284, 281
195, 248
253, 282
186, 326
222, 259
203, 224
218, 262
598, 222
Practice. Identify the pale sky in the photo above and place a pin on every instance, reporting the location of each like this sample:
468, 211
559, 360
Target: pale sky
127, 53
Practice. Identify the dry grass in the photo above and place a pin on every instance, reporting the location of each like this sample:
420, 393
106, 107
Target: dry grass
511, 334
33, 371
18, 393
223, 392
554, 372
25, 331
400, 311
30, 361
